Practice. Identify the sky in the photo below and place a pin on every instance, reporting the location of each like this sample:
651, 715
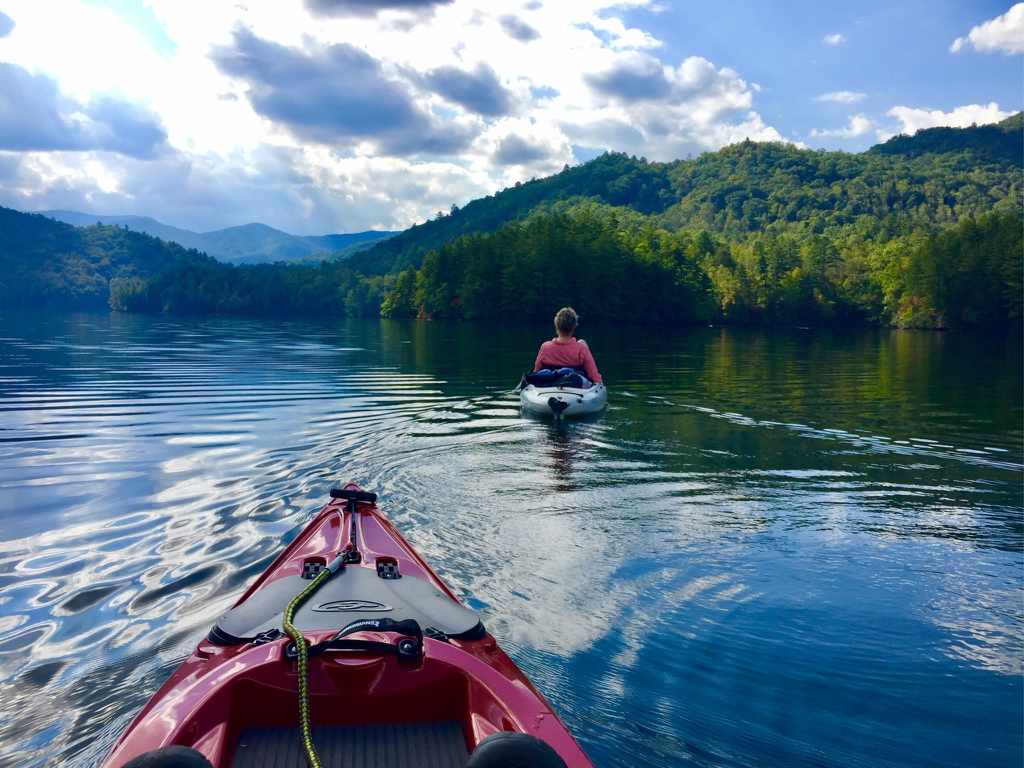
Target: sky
318, 116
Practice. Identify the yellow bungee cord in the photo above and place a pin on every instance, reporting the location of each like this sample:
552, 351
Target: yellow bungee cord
302, 650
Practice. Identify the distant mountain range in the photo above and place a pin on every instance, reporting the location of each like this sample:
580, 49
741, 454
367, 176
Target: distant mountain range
245, 244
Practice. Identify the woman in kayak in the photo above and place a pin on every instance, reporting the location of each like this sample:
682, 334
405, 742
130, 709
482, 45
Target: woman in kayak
565, 350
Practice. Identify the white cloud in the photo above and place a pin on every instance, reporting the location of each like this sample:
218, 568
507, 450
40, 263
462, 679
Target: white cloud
842, 97
834, 39
228, 164
912, 119
664, 112
858, 125
1003, 33
307, 191
85, 50
623, 37
524, 146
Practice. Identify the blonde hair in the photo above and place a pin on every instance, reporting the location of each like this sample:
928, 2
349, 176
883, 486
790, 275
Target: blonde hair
566, 320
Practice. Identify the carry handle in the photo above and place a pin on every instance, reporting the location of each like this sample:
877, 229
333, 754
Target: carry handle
408, 647
351, 494
403, 627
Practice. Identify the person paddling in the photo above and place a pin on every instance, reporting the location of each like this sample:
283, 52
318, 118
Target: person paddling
565, 350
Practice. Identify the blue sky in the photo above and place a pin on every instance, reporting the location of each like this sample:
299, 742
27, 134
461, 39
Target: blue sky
340, 115
894, 52
140, 16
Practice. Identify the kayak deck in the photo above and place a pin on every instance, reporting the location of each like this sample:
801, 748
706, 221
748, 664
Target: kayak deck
234, 699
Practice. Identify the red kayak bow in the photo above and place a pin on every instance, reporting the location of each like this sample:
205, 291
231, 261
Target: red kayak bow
395, 670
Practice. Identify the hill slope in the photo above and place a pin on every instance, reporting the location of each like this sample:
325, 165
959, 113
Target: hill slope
1002, 142
748, 187
245, 244
143, 224
612, 178
613, 265
933, 178
47, 263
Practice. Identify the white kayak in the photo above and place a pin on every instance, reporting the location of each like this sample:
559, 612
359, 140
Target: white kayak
563, 401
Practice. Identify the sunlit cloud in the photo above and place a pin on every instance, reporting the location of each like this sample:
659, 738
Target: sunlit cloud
337, 115
1003, 34
858, 125
913, 119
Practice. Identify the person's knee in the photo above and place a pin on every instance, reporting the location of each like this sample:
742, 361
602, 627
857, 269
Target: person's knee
514, 750
170, 757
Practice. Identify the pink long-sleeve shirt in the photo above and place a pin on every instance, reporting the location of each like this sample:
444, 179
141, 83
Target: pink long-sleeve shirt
567, 353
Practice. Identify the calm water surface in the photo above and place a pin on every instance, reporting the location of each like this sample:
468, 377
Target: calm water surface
786, 548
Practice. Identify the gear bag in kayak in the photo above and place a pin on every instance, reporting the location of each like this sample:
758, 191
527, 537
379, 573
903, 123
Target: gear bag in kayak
558, 377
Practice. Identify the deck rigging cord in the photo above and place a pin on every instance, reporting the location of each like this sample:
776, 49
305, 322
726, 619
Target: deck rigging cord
350, 554
302, 649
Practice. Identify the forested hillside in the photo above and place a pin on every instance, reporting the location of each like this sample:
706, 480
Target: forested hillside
612, 178
48, 263
921, 231
1002, 142
620, 266
750, 187
935, 177
326, 289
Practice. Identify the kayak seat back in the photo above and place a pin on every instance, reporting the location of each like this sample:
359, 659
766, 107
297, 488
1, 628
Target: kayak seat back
355, 592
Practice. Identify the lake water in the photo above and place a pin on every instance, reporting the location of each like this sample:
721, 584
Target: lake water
775, 548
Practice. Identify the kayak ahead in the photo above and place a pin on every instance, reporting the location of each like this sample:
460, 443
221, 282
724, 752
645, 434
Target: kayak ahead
391, 670
560, 401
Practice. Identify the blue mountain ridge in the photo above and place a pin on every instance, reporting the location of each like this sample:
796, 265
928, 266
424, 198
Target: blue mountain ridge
246, 244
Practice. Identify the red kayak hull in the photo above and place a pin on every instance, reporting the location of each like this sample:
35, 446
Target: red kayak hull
220, 690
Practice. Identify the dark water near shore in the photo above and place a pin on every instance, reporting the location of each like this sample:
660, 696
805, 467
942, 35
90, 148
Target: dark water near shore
775, 548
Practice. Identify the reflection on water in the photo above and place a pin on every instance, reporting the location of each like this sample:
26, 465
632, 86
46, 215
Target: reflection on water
773, 548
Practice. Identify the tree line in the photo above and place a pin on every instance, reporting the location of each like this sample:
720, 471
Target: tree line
207, 286
614, 265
